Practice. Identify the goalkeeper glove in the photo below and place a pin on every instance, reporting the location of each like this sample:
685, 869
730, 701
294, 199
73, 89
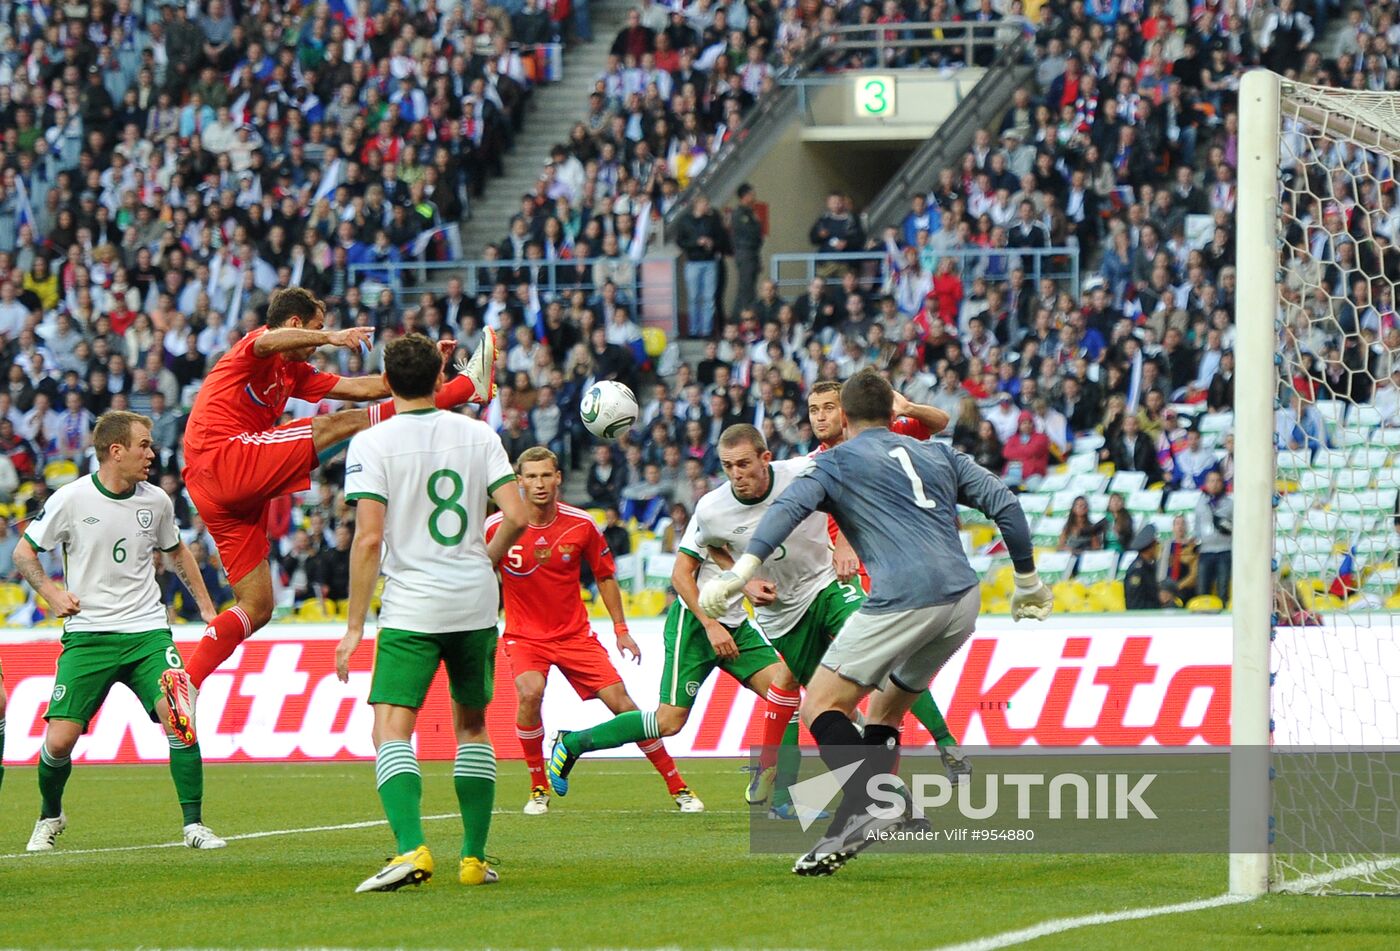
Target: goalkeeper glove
718, 592
1031, 599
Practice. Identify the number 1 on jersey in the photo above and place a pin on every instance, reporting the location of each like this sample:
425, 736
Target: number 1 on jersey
920, 499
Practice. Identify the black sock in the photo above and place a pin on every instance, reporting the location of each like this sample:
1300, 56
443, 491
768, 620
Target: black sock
880, 752
841, 745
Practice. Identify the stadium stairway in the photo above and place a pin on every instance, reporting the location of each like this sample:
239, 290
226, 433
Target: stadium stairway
554, 110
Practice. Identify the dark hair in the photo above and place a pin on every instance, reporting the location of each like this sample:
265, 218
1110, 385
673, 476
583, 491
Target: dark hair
292, 302
868, 398
824, 386
412, 363
744, 190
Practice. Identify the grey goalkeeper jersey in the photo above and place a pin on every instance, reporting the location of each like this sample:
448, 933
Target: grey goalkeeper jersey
895, 499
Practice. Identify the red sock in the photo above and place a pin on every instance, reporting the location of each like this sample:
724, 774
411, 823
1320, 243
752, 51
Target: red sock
455, 392
221, 638
379, 412
779, 707
532, 743
656, 752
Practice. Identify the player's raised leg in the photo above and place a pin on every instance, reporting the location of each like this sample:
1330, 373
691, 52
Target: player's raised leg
529, 730
616, 698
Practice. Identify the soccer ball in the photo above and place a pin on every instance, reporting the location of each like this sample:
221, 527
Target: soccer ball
608, 409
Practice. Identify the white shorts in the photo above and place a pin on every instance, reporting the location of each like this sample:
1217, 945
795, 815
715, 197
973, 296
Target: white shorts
903, 647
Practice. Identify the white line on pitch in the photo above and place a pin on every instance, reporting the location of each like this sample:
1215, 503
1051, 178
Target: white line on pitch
1059, 925
342, 827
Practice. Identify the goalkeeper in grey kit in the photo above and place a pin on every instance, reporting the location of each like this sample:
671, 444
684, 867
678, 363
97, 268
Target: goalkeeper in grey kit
895, 499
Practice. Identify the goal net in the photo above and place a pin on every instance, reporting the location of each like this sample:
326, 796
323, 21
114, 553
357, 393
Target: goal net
1317, 427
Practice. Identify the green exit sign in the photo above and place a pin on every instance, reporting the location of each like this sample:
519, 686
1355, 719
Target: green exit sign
875, 97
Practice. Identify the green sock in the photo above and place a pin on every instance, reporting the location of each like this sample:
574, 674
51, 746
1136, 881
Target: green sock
474, 775
401, 791
53, 776
632, 727
187, 769
789, 765
927, 713
2, 751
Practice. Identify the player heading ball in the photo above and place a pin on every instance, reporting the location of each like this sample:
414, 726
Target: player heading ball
896, 500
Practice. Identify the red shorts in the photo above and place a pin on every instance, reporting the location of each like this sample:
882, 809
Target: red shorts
233, 483
581, 659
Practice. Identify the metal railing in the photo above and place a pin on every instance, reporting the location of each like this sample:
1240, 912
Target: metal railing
650, 294
979, 108
823, 53
793, 272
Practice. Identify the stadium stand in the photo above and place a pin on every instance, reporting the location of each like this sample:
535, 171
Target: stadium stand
162, 172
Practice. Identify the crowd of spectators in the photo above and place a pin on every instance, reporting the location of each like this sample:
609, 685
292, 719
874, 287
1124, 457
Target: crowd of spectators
162, 171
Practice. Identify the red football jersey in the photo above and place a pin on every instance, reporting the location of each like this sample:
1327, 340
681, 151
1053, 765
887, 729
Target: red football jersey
904, 426
245, 393
540, 574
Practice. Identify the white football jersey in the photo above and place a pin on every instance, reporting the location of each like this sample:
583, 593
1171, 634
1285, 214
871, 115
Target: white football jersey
799, 569
434, 472
109, 544
734, 614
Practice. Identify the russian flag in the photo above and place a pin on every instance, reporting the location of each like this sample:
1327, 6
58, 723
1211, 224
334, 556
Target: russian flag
340, 10
1345, 584
25, 215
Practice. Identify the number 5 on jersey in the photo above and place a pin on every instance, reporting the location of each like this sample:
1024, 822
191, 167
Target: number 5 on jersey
920, 499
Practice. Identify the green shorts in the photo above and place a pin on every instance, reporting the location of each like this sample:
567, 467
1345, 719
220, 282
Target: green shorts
406, 661
805, 644
92, 662
690, 658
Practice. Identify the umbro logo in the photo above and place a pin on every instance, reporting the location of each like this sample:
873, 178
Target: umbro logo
91, 520
741, 530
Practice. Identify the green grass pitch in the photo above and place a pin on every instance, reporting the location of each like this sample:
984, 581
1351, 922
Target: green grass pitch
612, 866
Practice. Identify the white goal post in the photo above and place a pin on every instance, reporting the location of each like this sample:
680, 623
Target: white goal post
1316, 579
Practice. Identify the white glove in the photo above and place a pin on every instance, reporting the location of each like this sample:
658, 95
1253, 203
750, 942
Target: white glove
1031, 599
718, 592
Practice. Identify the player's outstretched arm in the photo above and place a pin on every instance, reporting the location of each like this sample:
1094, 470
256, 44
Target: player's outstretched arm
983, 491
62, 602
284, 339
364, 572
357, 389
187, 570
514, 516
933, 419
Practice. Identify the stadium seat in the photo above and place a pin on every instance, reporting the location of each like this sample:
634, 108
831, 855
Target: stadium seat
1285, 521
1127, 482
1095, 566
60, 472
1089, 483
1364, 415
1089, 443
1083, 462
1071, 597
1205, 604
1217, 423
1382, 582
1145, 501
1349, 437
1182, 501
1107, 597
1350, 480
1054, 566
1388, 437
1033, 504
656, 570
1315, 482
599, 516
311, 611
1388, 478
1321, 522
1046, 530
1061, 502
1331, 411
1001, 581
1055, 482
1370, 458
12, 596
1330, 459
1292, 462
982, 564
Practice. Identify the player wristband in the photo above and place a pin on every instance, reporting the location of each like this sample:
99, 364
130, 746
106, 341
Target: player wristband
1027, 581
619, 630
